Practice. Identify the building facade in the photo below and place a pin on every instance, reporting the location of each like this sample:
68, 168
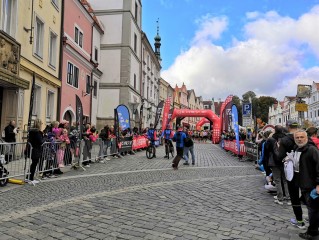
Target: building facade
275, 115
30, 40
120, 57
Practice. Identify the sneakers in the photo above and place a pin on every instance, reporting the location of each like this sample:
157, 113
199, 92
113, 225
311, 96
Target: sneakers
185, 163
298, 224
87, 165
107, 159
279, 202
33, 182
288, 202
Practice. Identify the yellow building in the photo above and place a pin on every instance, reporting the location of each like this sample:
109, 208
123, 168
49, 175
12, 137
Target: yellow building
36, 27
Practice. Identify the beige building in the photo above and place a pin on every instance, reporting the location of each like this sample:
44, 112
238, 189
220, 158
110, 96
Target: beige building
36, 27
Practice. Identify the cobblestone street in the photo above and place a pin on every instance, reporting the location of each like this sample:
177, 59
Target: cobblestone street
133, 197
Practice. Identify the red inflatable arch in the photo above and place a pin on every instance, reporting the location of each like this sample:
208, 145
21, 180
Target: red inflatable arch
209, 114
201, 123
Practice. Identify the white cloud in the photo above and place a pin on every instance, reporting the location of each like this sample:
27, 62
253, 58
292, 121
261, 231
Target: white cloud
210, 29
268, 61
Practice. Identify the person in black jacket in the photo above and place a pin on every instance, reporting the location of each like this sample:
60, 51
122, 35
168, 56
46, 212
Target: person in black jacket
306, 162
36, 140
286, 145
10, 132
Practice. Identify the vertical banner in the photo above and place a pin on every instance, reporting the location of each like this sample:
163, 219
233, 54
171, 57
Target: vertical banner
167, 107
158, 113
79, 115
227, 117
123, 117
222, 110
31, 102
234, 113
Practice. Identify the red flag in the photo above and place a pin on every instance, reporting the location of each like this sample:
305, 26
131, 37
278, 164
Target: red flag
166, 112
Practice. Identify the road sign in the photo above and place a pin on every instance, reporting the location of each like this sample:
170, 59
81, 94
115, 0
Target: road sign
246, 122
246, 109
301, 107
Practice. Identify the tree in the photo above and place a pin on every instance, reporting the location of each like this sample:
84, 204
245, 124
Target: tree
262, 108
247, 95
236, 101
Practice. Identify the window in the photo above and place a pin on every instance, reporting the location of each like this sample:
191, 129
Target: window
96, 52
53, 49
50, 105
136, 10
36, 101
95, 89
8, 16
135, 81
73, 75
88, 84
78, 37
310, 114
38, 37
135, 43
55, 3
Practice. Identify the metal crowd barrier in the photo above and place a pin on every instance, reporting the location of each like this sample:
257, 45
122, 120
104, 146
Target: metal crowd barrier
13, 162
251, 151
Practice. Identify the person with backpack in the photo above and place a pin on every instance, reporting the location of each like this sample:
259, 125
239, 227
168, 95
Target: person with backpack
188, 147
179, 138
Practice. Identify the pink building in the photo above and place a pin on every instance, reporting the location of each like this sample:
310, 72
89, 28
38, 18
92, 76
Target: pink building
77, 64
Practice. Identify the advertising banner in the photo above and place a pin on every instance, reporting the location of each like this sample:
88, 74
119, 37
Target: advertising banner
251, 150
233, 147
158, 113
123, 116
139, 142
234, 114
167, 107
79, 115
125, 144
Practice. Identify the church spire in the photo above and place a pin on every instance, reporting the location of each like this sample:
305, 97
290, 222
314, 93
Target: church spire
157, 43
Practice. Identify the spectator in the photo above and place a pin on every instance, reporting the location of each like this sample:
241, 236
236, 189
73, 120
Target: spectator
312, 134
105, 136
36, 140
306, 162
188, 147
10, 132
286, 145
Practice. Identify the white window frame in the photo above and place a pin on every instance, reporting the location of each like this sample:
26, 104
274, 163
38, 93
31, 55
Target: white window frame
8, 20
53, 49
50, 105
79, 37
36, 101
38, 37
70, 80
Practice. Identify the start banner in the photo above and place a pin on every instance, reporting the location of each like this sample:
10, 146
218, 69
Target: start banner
139, 142
232, 146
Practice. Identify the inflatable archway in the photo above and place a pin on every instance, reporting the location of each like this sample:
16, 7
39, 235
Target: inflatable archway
201, 122
209, 114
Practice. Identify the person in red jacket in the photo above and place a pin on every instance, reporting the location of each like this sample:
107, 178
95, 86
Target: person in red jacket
312, 133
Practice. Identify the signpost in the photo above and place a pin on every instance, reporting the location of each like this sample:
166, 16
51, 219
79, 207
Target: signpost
247, 113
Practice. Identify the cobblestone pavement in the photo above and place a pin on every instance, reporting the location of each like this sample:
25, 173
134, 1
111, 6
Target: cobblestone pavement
137, 198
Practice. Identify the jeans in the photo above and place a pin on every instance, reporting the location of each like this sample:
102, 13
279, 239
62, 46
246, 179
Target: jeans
186, 156
279, 178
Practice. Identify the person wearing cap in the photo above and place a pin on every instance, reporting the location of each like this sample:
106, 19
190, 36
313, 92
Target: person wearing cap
312, 134
286, 145
179, 138
306, 164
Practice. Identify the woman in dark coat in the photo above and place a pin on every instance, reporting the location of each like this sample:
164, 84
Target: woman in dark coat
36, 140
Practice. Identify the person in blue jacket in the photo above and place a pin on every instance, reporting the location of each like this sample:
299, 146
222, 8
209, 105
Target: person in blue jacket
179, 138
151, 133
167, 137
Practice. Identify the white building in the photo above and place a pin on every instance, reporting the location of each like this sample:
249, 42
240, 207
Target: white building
313, 104
120, 58
289, 109
275, 115
150, 79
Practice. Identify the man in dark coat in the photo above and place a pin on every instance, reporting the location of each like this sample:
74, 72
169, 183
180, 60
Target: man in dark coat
10, 134
306, 162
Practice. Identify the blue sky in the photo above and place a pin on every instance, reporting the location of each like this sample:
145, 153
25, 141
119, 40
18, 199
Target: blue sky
232, 46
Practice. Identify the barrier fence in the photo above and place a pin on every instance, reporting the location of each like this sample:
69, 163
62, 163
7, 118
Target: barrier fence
15, 160
248, 149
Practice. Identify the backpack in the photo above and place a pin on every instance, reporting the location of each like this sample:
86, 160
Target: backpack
188, 141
